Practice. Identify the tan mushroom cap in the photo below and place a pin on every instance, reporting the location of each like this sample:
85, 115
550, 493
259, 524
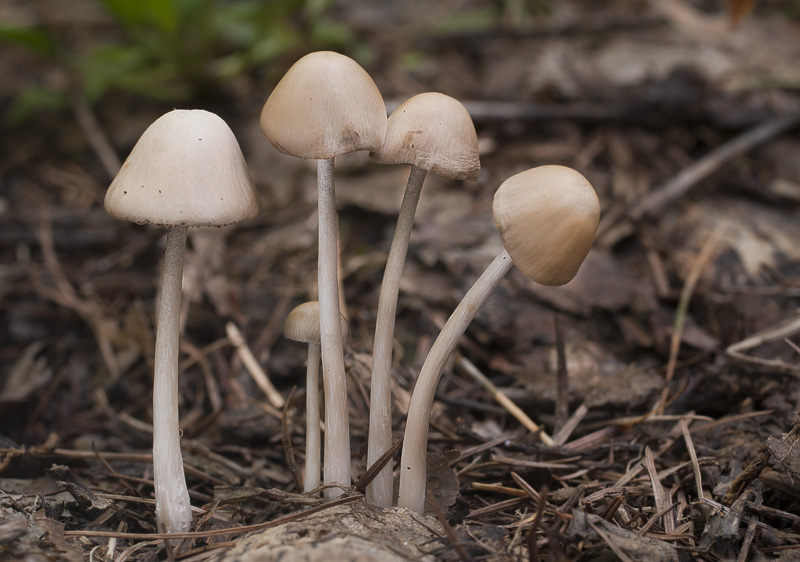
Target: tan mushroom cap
302, 324
325, 106
434, 132
186, 170
548, 217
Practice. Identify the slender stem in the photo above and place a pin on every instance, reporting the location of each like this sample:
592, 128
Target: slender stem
380, 405
412, 461
336, 459
173, 510
313, 445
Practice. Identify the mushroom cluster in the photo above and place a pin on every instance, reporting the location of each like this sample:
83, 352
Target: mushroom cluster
187, 170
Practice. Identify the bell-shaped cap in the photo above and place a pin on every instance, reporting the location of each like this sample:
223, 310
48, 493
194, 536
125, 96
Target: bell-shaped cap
302, 324
186, 170
434, 132
325, 106
548, 217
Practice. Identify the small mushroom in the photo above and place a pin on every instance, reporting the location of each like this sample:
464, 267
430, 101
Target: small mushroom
325, 106
432, 132
547, 217
186, 170
302, 325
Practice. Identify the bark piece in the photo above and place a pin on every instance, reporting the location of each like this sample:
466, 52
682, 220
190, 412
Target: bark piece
87, 500
355, 532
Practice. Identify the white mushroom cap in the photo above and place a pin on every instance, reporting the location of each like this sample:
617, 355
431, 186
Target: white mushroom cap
302, 324
325, 106
548, 217
186, 170
434, 132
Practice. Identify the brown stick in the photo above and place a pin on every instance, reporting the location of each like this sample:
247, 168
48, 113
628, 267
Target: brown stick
448, 529
711, 162
690, 176
562, 380
377, 466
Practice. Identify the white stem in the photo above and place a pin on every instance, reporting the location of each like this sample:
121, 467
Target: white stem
380, 405
173, 510
313, 445
415, 443
336, 460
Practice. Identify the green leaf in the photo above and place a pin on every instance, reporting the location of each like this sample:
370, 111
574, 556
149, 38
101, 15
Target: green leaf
35, 99
35, 39
160, 14
315, 8
239, 23
230, 65
277, 43
130, 68
468, 20
329, 33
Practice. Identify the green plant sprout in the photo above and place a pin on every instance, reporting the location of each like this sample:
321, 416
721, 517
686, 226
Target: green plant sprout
173, 50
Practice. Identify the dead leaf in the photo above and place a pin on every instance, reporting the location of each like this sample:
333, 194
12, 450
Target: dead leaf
637, 548
764, 237
87, 500
595, 377
738, 10
27, 376
379, 192
787, 452
12, 529
442, 480
603, 282
54, 535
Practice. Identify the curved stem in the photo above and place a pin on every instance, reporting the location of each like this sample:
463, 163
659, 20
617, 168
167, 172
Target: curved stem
173, 510
412, 462
380, 405
311, 473
336, 457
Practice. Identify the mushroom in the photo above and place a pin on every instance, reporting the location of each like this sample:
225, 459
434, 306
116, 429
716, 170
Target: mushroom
432, 132
186, 170
547, 218
302, 325
325, 106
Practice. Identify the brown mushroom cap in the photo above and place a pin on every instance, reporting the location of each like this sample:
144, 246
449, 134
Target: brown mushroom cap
185, 170
302, 324
434, 132
548, 217
325, 106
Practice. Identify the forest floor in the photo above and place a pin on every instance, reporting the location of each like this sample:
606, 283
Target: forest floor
675, 347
